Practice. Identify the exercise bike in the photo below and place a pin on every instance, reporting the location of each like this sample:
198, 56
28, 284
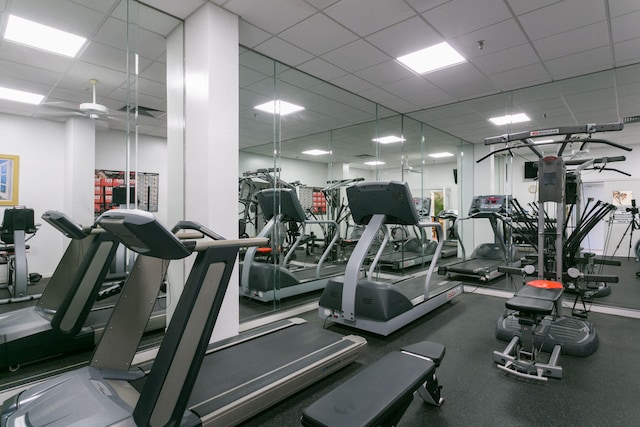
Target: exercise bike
17, 228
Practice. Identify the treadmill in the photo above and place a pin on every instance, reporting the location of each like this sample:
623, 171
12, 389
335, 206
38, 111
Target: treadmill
268, 281
377, 306
416, 250
190, 382
487, 257
67, 317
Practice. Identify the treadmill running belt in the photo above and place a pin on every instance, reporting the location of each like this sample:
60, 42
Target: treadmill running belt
229, 375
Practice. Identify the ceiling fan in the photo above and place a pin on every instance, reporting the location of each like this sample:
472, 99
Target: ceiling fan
92, 110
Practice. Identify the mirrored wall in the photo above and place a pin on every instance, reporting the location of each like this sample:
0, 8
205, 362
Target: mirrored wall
333, 140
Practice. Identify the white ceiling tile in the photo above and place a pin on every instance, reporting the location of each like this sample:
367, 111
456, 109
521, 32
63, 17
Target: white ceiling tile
33, 57
429, 98
497, 37
16, 70
59, 14
103, 6
620, 7
156, 21
364, 17
322, 69
459, 17
355, 84
580, 63
561, 17
625, 27
376, 94
573, 41
405, 37
523, 6
181, 9
355, 56
284, 51
409, 86
105, 56
526, 76
384, 73
508, 59
272, 16
424, 5
306, 35
627, 52
321, 4
113, 33
250, 35
461, 80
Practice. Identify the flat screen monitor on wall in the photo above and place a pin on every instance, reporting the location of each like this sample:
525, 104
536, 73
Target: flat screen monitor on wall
530, 170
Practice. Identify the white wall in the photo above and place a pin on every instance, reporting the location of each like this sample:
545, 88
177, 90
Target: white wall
41, 147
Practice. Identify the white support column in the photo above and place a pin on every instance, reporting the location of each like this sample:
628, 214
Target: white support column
79, 169
211, 137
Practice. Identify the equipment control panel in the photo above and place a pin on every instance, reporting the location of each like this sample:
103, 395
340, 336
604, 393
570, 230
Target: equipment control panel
490, 205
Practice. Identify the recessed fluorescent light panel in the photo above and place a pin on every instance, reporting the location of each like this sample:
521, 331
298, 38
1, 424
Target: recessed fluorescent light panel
509, 119
20, 96
279, 107
316, 152
40, 36
432, 58
388, 139
440, 155
374, 163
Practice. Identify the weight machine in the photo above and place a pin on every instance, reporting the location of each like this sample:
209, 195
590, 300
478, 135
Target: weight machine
533, 322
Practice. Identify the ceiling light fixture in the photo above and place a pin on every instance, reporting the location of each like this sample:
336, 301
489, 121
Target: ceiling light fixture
40, 36
20, 96
316, 152
432, 58
374, 163
509, 119
440, 155
279, 107
388, 139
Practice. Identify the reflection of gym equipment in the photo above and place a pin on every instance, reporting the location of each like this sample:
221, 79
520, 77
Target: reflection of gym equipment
65, 318
487, 257
533, 322
266, 281
190, 382
376, 306
17, 228
408, 251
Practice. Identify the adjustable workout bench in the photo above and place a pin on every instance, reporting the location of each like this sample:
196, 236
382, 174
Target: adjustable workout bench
532, 304
380, 394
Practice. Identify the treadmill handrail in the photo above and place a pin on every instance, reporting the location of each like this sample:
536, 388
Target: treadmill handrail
436, 254
325, 253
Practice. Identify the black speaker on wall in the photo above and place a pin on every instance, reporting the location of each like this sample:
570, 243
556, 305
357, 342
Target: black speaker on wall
530, 170
455, 176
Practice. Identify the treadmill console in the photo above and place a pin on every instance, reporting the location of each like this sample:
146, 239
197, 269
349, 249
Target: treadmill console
488, 205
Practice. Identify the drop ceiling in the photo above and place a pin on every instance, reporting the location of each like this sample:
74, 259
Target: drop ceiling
549, 58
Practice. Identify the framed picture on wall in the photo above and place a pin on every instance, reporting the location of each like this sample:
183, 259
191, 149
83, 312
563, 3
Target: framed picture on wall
9, 179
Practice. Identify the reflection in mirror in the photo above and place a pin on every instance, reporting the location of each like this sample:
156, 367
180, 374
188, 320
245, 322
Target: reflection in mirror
102, 109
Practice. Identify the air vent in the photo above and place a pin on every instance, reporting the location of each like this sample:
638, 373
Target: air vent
145, 111
631, 119
367, 301
364, 156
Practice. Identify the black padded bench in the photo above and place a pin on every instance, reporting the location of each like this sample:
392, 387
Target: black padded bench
380, 394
